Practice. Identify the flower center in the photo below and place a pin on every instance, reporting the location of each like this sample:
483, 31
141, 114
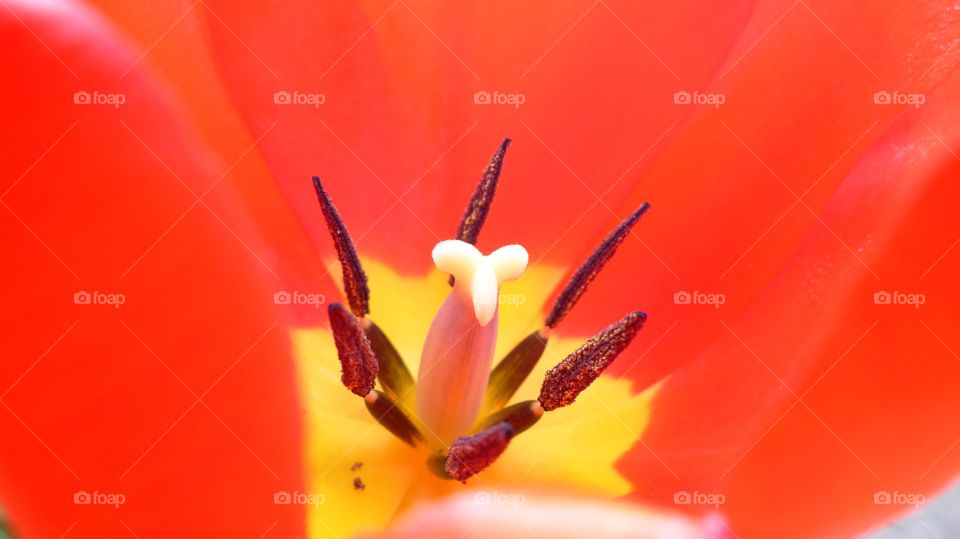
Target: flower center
455, 379
458, 351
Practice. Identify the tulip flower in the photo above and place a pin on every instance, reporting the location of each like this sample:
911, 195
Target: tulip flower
205, 342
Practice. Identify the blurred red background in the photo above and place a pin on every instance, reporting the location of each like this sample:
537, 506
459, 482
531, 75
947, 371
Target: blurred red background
798, 198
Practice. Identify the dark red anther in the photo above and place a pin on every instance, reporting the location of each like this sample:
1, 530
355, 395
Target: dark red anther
482, 198
357, 361
469, 455
563, 383
354, 279
588, 271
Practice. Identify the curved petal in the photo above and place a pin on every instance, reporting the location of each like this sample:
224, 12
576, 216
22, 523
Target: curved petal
826, 398
400, 139
726, 192
801, 71
144, 357
174, 41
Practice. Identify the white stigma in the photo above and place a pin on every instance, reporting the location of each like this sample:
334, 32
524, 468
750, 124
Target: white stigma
481, 275
458, 351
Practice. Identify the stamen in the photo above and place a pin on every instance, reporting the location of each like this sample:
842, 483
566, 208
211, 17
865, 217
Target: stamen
393, 374
470, 455
357, 361
571, 376
514, 368
591, 267
354, 279
507, 377
482, 198
520, 416
472, 221
392, 417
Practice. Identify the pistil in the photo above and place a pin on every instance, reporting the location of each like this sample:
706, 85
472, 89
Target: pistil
458, 351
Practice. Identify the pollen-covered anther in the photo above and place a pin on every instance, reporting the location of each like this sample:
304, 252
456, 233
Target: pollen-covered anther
482, 198
469, 455
591, 267
354, 278
570, 377
357, 361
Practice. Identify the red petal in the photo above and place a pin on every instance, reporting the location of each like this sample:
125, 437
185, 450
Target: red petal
724, 218
399, 112
817, 399
98, 398
175, 36
799, 106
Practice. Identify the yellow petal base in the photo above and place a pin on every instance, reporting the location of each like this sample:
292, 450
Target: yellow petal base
572, 449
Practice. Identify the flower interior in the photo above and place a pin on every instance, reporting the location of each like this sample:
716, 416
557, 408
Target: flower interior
459, 415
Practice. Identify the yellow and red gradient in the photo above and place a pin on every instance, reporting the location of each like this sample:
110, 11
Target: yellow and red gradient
798, 199
571, 451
